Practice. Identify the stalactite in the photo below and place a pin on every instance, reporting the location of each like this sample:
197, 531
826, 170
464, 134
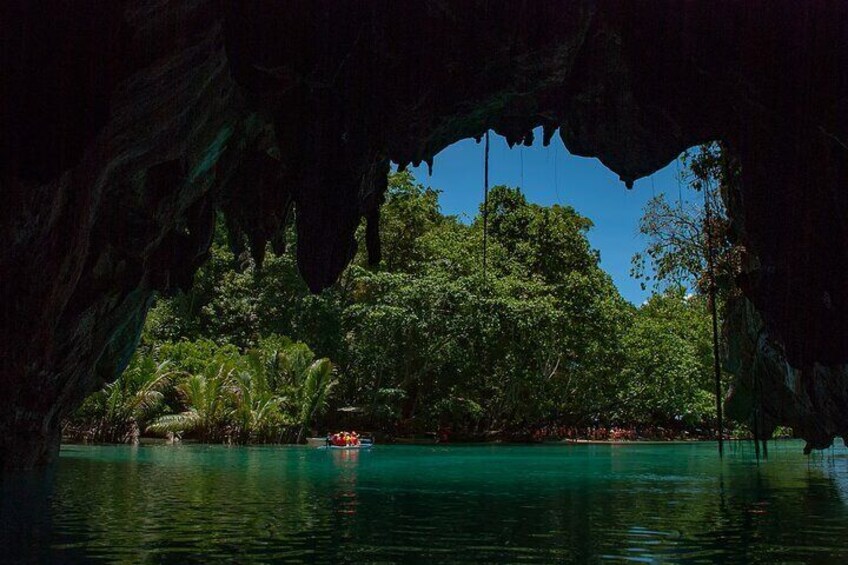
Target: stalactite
253, 108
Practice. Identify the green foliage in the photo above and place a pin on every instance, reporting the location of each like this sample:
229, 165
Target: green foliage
676, 251
218, 394
668, 362
205, 413
425, 342
313, 392
119, 412
679, 234
410, 211
692, 246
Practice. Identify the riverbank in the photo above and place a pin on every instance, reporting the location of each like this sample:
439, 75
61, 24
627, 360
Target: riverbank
554, 435
153, 441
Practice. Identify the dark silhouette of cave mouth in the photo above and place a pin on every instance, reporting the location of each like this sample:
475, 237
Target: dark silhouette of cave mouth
125, 127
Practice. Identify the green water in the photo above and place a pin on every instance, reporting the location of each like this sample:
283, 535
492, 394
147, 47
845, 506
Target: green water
651, 503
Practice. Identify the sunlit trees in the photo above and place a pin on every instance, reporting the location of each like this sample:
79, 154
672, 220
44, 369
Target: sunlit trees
205, 412
211, 393
425, 341
536, 340
680, 237
667, 374
692, 244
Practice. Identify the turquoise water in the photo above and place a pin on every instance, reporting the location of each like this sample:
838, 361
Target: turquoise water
647, 503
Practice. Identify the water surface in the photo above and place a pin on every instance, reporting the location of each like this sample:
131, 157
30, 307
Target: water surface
646, 503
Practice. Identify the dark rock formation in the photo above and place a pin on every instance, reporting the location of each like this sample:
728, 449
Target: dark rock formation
126, 124
768, 391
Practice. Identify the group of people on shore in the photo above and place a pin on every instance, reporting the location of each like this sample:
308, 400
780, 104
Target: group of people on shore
603, 433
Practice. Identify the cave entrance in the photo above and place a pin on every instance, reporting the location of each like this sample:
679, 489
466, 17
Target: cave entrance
558, 341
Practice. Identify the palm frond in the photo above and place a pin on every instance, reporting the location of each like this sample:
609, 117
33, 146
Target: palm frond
183, 422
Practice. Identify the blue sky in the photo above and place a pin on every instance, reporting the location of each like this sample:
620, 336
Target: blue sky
550, 175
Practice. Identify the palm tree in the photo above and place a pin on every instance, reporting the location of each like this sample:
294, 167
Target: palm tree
318, 380
271, 391
293, 363
256, 412
301, 383
204, 398
132, 399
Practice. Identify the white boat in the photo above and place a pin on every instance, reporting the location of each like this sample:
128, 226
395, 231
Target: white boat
321, 443
363, 445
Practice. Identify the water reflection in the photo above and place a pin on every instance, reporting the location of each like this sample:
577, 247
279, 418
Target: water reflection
484, 504
25, 515
345, 502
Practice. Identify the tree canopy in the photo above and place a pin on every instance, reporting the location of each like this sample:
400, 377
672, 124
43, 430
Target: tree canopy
539, 347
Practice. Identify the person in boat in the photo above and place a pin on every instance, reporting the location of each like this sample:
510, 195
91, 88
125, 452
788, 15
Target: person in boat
344, 439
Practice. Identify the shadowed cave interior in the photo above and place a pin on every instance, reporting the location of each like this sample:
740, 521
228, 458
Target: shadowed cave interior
126, 126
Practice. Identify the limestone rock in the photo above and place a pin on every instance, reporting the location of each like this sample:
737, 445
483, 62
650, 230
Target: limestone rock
125, 125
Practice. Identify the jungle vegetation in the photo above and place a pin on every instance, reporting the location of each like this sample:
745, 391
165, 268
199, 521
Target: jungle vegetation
542, 346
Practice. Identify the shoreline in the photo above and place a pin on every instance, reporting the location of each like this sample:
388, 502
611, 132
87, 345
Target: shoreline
147, 442
627, 441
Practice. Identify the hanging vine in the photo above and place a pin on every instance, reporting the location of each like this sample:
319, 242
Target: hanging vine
485, 205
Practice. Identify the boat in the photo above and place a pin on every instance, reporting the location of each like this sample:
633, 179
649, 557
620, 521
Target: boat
326, 443
363, 445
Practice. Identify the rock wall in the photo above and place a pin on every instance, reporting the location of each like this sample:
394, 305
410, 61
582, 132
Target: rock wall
126, 124
107, 196
768, 392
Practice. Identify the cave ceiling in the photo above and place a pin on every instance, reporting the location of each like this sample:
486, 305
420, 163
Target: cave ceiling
126, 125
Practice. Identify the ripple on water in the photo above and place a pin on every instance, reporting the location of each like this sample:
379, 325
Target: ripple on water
473, 504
